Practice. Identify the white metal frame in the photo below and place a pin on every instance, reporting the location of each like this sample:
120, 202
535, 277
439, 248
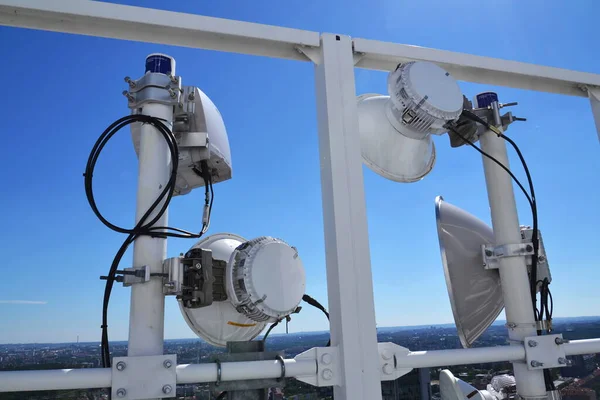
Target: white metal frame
349, 275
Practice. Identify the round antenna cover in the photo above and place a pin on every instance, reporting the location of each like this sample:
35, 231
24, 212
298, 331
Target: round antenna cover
430, 93
266, 279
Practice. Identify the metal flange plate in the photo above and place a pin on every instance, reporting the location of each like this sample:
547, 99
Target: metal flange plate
148, 377
543, 352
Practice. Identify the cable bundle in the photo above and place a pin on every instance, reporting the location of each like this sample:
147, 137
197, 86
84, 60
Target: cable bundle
144, 225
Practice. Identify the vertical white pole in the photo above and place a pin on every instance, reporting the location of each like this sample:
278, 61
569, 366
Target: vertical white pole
349, 279
594, 95
146, 321
513, 270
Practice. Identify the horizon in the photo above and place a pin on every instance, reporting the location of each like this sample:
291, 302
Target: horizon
496, 323
69, 89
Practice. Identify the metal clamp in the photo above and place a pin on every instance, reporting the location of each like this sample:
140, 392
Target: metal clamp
280, 359
328, 368
136, 275
219, 371
144, 377
543, 352
543, 325
173, 271
491, 254
153, 87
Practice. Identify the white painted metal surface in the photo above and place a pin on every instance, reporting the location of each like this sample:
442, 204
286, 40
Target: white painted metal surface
585, 346
348, 264
385, 56
513, 270
233, 371
178, 29
594, 95
55, 379
117, 21
542, 352
146, 320
349, 278
303, 369
144, 377
424, 359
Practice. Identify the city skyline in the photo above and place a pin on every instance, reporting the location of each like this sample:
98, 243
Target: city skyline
56, 249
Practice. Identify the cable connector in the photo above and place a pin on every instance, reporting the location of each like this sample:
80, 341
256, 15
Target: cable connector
129, 276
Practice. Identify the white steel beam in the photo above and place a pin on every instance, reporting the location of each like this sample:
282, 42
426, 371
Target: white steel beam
178, 29
55, 379
386, 56
117, 21
63, 379
594, 94
349, 279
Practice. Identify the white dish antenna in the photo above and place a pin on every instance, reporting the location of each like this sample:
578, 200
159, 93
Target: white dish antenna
395, 130
264, 282
475, 292
474, 288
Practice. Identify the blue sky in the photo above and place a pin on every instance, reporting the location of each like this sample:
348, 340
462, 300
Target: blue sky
60, 91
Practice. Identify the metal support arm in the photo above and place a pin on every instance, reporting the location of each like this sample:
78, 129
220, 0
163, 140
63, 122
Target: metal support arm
349, 279
303, 367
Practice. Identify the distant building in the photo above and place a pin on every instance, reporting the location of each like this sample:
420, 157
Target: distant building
416, 385
583, 365
577, 393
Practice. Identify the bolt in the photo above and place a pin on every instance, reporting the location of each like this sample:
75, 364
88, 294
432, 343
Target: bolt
128, 95
511, 325
173, 78
536, 364
560, 341
388, 369
529, 247
170, 285
130, 82
541, 258
532, 343
326, 358
327, 374
387, 354
167, 364
121, 366
172, 93
562, 360
121, 392
489, 253
167, 389
192, 96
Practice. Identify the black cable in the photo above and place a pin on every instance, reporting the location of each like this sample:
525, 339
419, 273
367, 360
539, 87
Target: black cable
497, 162
544, 290
273, 325
308, 299
222, 396
143, 227
532, 200
534, 236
